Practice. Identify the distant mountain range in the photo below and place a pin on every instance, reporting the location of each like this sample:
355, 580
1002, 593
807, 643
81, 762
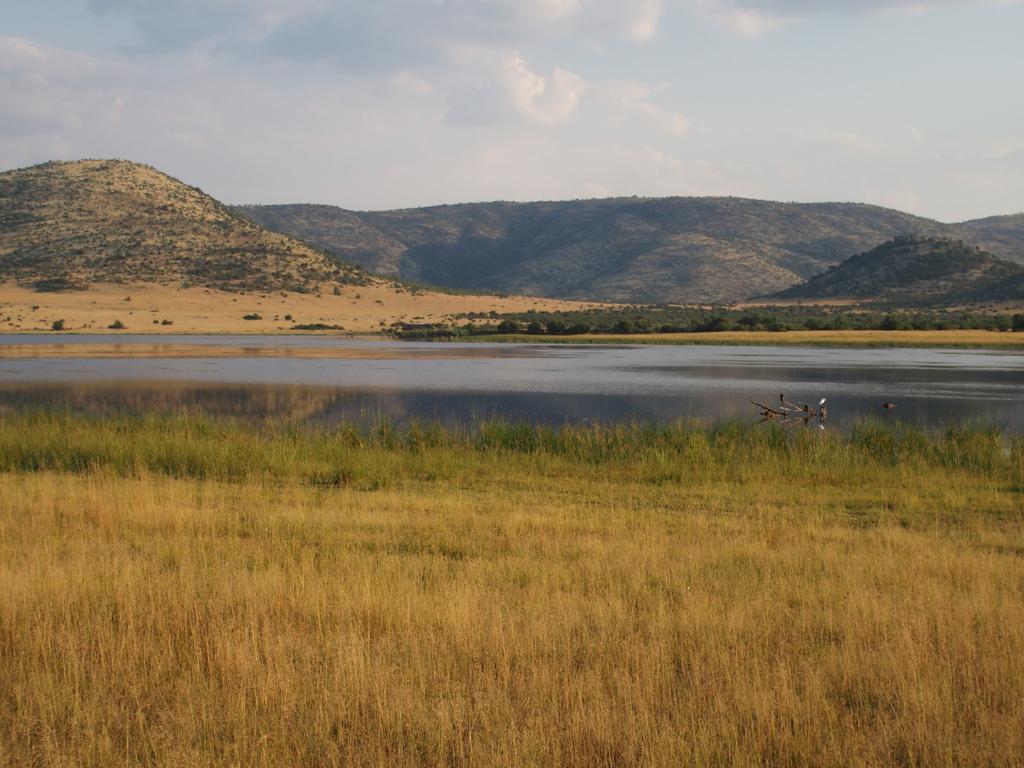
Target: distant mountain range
66, 225
917, 272
633, 250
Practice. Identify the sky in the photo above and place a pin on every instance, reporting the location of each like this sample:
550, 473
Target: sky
912, 104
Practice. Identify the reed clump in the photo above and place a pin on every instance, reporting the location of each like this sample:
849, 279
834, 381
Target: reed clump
227, 449
184, 591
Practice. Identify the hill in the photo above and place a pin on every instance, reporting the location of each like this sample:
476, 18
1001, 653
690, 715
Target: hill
69, 224
917, 271
1000, 235
99, 245
646, 250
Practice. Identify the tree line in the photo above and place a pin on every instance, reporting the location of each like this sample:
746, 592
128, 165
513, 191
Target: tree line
655, 320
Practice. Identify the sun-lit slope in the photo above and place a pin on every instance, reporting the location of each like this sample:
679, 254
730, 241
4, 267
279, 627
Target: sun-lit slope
1000, 235
917, 271
648, 250
150, 308
68, 224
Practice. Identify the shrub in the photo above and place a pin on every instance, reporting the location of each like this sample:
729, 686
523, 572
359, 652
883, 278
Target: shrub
57, 325
58, 284
117, 325
623, 326
317, 327
507, 326
252, 316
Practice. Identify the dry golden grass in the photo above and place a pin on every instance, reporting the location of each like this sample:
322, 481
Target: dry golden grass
467, 606
157, 350
359, 309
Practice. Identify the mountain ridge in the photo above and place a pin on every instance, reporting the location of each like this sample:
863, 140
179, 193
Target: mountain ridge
625, 249
66, 224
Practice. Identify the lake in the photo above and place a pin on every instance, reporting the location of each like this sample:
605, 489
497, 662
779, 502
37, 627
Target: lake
325, 379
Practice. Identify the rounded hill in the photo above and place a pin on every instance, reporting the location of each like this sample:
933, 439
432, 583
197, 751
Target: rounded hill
917, 271
65, 225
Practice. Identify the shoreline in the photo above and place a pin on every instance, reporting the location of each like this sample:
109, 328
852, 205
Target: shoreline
955, 339
157, 346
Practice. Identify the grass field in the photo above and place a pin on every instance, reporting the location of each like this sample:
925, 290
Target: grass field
145, 308
180, 592
953, 339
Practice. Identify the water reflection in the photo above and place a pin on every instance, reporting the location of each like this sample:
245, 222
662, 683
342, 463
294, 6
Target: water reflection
789, 414
324, 405
455, 383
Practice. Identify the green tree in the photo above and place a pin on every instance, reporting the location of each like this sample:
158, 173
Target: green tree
556, 328
507, 326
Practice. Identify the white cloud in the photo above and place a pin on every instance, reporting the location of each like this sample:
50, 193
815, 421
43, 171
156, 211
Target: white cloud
735, 16
401, 102
507, 90
546, 10
362, 36
755, 18
411, 83
28, 58
48, 91
631, 101
643, 25
550, 99
847, 140
902, 197
656, 161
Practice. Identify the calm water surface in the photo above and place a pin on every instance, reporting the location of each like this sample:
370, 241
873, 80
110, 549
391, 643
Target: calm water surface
458, 382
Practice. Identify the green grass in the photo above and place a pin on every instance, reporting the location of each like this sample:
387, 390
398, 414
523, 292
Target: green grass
223, 449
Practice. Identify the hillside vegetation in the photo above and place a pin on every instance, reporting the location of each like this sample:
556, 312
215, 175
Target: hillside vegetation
66, 225
646, 250
1000, 235
917, 271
